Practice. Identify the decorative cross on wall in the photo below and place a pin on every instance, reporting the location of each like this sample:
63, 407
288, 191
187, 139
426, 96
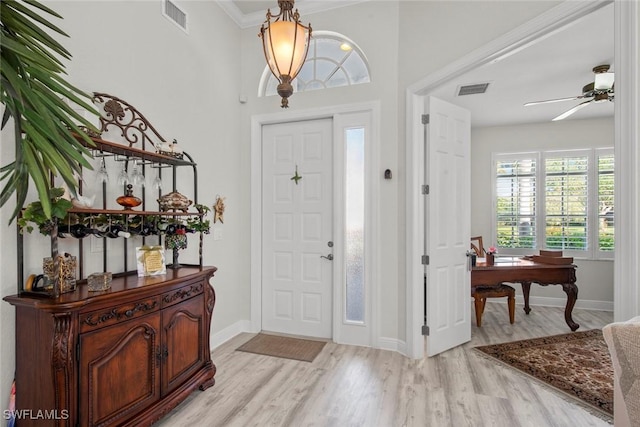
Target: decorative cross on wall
296, 177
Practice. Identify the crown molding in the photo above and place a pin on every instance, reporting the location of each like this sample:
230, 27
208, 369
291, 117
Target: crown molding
306, 7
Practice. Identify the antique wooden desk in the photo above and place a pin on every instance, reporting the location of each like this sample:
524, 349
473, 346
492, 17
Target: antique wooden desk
517, 270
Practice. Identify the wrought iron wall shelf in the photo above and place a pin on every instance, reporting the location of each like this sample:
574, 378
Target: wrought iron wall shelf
141, 141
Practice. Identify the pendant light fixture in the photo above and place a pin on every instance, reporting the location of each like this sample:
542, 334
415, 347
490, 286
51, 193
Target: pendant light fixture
285, 42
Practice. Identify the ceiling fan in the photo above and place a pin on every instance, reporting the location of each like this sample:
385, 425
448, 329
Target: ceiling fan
600, 90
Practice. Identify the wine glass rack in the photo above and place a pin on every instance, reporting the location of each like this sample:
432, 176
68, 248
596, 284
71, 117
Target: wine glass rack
141, 143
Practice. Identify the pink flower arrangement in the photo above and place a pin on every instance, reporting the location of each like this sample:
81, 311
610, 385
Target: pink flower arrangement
492, 250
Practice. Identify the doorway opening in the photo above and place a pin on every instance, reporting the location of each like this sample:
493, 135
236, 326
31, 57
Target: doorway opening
509, 44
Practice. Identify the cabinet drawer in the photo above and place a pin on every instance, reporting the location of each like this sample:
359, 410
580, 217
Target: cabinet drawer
184, 293
109, 316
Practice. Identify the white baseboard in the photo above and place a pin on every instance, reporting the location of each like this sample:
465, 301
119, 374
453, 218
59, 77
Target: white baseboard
561, 302
220, 337
392, 344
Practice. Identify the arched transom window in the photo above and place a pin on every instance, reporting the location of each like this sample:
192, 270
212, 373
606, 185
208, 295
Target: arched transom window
333, 60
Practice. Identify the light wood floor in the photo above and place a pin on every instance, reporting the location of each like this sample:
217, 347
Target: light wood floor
357, 386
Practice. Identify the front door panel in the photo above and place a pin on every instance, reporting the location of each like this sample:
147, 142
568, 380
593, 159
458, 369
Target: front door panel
297, 226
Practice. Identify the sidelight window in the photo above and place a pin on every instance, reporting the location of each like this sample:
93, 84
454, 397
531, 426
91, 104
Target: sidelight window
354, 223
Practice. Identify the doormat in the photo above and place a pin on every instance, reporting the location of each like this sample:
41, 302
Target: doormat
577, 364
285, 347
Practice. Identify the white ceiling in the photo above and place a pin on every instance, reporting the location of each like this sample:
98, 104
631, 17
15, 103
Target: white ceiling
556, 67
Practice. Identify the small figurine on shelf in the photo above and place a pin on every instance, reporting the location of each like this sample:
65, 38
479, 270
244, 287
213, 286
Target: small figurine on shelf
170, 149
83, 202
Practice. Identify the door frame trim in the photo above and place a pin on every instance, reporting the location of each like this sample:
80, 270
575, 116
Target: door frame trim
332, 112
626, 126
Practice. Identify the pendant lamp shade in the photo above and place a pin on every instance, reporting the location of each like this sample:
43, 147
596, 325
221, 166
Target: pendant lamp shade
285, 42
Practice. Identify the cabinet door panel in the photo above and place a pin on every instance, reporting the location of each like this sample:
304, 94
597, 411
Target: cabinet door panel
119, 370
183, 328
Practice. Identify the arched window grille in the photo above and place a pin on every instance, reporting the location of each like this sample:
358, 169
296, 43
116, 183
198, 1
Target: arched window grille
333, 61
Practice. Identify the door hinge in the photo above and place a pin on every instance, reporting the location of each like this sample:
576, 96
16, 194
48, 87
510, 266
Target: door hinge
425, 189
425, 330
425, 259
425, 119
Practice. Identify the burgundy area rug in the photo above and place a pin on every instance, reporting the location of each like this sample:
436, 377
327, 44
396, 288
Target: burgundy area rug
577, 364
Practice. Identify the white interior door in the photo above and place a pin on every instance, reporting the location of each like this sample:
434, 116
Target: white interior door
297, 228
447, 226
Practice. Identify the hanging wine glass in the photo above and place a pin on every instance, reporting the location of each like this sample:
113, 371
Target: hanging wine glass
102, 175
157, 181
123, 176
137, 178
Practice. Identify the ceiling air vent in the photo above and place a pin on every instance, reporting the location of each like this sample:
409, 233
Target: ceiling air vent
174, 14
472, 89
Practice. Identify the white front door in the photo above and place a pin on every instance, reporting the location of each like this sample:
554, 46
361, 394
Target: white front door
297, 228
447, 226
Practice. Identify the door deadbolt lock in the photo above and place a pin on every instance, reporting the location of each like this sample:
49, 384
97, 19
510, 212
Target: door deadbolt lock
330, 243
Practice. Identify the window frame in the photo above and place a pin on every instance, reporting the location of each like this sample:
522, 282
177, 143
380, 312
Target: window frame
593, 251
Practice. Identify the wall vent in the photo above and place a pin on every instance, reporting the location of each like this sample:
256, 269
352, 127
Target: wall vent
472, 89
174, 14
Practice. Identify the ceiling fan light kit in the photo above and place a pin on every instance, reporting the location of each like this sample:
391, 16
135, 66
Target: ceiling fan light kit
600, 90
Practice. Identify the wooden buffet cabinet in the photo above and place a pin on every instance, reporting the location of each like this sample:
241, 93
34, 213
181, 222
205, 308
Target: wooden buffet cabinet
127, 355
122, 357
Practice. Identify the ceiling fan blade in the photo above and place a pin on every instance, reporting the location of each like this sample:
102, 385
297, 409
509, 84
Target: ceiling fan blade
571, 111
549, 101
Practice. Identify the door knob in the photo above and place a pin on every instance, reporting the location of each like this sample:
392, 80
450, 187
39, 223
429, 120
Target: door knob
329, 257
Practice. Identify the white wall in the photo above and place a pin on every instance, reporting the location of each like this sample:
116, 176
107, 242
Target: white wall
594, 278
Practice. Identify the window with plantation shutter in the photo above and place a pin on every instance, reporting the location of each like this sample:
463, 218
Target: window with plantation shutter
555, 200
516, 202
565, 202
